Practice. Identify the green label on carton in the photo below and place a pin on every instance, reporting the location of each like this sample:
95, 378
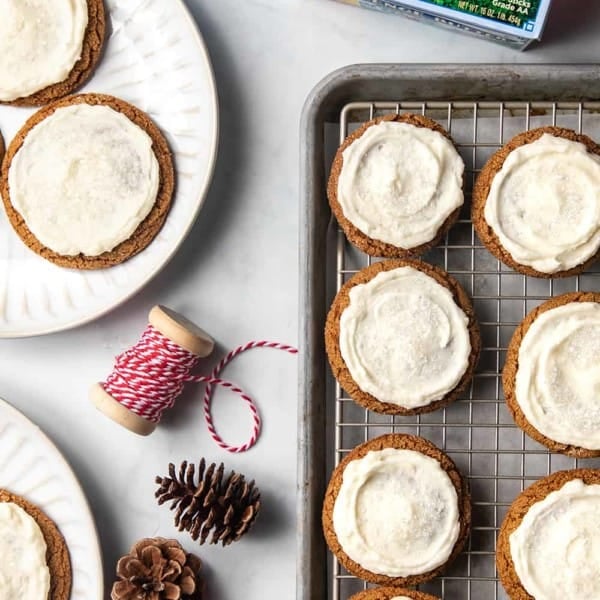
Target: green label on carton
518, 13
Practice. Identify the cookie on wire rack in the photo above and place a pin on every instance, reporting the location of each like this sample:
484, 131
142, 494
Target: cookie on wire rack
535, 203
547, 543
402, 338
396, 185
410, 504
551, 377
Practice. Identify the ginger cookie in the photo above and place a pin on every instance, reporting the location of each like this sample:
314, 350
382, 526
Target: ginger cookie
402, 338
56, 563
49, 47
546, 545
88, 181
409, 503
396, 185
550, 378
391, 593
535, 203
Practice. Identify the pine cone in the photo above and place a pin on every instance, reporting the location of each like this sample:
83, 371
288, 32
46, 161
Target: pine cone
158, 569
228, 508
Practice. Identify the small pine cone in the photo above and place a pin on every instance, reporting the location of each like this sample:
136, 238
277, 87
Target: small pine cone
158, 569
228, 507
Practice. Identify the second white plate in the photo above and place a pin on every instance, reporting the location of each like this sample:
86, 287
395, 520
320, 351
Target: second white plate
32, 467
154, 58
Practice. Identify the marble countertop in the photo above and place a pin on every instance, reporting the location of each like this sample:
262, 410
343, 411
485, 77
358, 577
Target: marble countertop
237, 276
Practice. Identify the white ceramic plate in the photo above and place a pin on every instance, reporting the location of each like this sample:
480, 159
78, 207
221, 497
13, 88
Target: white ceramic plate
154, 58
32, 467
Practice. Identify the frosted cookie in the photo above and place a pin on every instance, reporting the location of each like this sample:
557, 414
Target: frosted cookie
49, 48
551, 377
88, 181
396, 185
548, 544
536, 202
392, 593
402, 338
396, 511
35, 562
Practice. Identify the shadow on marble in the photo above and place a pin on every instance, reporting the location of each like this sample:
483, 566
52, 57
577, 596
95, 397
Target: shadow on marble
273, 517
212, 589
101, 500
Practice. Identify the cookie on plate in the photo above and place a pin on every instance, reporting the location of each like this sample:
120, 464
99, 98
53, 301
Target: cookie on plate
396, 511
49, 48
547, 546
88, 181
551, 377
535, 203
402, 338
392, 593
35, 559
396, 185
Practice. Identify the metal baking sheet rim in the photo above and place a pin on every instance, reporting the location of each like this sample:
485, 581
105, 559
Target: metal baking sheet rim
384, 82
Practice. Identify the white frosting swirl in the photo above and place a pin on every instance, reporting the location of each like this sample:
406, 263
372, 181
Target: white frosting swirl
400, 598
404, 339
24, 573
558, 380
40, 42
84, 179
399, 183
396, 513
544, 204
555, 548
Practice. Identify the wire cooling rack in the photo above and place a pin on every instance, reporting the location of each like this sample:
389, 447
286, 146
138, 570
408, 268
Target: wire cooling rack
477, 431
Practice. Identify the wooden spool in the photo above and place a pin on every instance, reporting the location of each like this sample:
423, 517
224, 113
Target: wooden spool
179, 330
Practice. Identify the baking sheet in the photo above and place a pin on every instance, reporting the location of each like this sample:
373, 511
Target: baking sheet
477, 431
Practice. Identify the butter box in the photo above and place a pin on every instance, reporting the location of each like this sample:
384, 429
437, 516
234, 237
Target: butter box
514, 23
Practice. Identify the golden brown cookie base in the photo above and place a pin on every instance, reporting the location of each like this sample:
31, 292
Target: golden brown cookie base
387, 593
481, 191
362, 241
332, 337
509, 374
93, 41
149, 227
57, 554
407, 442
518, 509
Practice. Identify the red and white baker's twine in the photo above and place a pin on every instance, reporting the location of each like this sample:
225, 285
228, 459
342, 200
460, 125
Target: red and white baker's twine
149, 377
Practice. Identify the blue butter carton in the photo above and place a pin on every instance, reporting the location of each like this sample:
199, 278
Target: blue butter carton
515, 23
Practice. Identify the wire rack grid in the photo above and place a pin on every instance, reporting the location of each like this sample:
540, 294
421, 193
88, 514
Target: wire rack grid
477, 431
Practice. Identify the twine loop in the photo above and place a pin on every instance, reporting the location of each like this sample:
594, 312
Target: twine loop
148, 378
